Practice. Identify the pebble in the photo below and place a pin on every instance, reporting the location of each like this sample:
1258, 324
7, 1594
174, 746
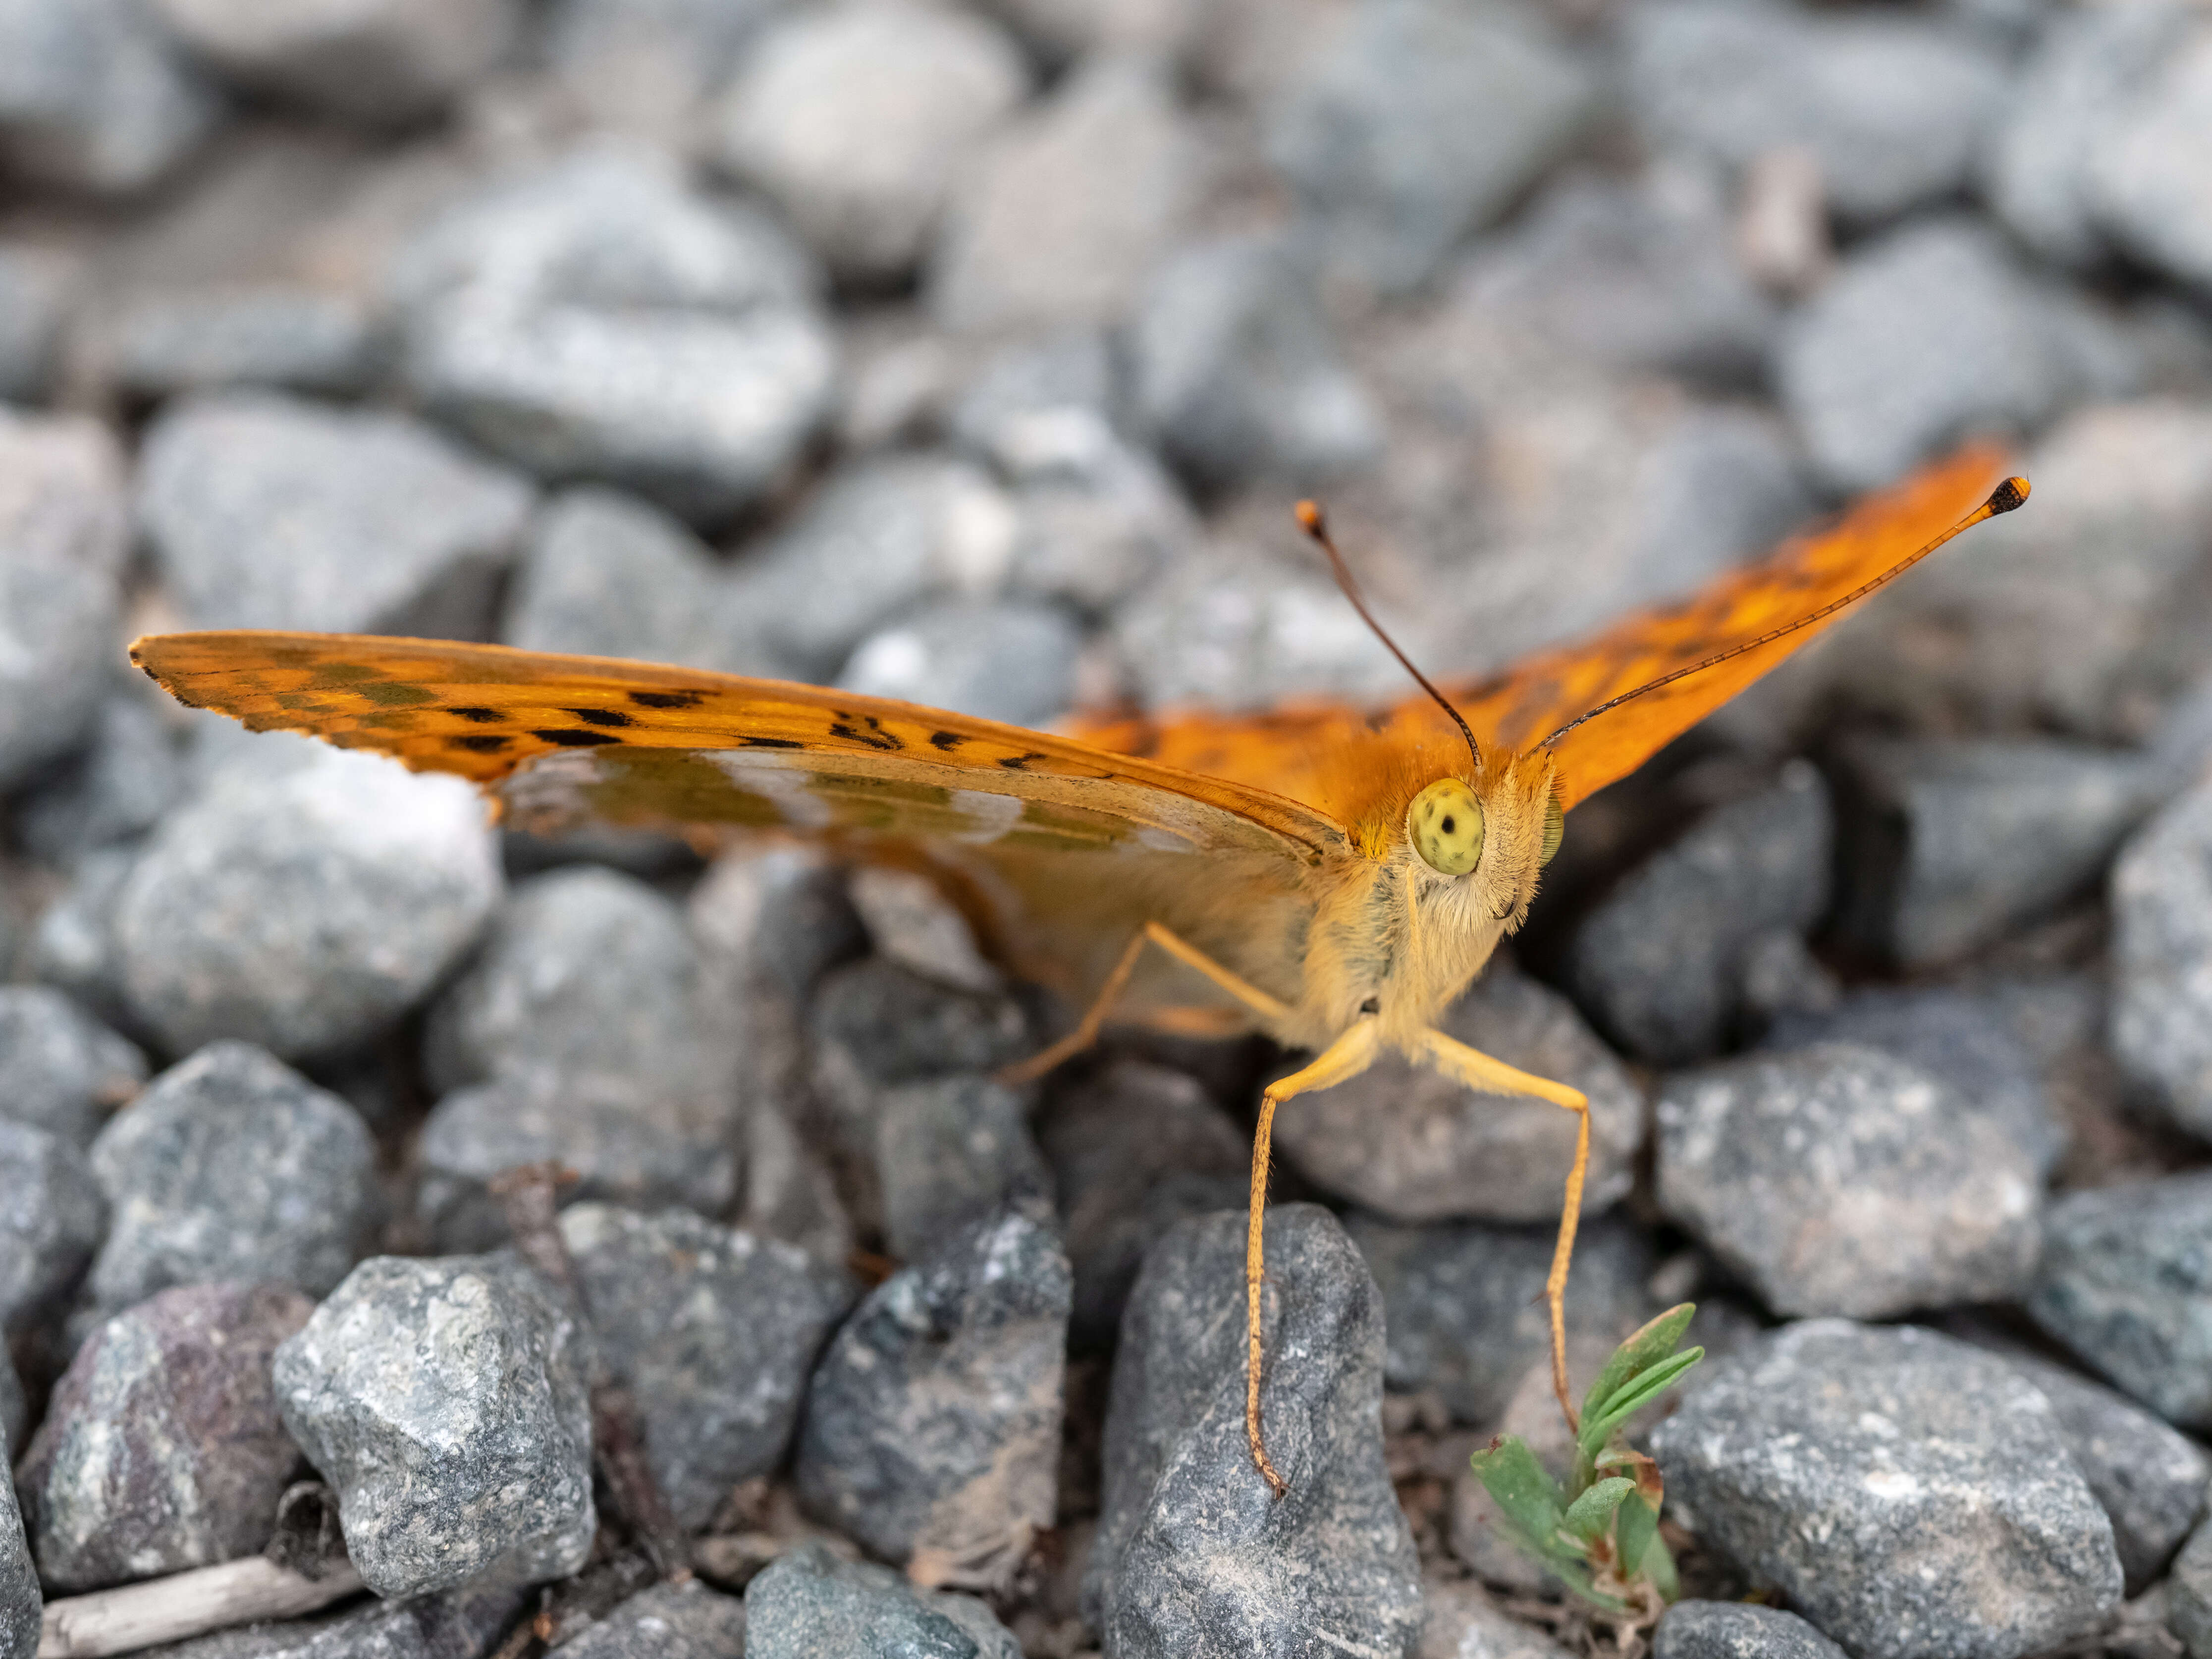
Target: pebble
460, 1624
1097, 518
382, 63
1233, 371
126, 780
681, 1308
644, 66
73, 946
2151, 1481
1413, 1145
1465, 1303
265, 511
597, 318
233, 1166
1892, 105
1423, 121
776, 915
164, 344
1133, 1151
2126, 1284
932, 1425
1925, 334
2161, 1017
162, 1448
22, 1607
668, 1621
52, 1217
65, 541
446, 1403
1064, 213
808, 1603
1950, 844
1462, 1622
1907, 1493
1733, 1630
15, 1408
2189, 1594
951, 1152
876, 1025
1839, 1179
1660, 963
857, 120
37, 290
1636, 275
61, 1070
1194, 1554
1011, 660
98, 97
305, 910
2147, 169
910, 920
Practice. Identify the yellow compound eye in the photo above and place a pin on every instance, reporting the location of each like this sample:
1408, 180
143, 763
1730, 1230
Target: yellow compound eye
1555, 829
1445, 826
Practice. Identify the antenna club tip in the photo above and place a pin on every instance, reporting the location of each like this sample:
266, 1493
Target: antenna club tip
2008, 494
1310, 517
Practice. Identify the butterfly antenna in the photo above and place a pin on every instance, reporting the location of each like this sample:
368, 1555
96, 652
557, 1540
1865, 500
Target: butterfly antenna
1315, 523
2004, 498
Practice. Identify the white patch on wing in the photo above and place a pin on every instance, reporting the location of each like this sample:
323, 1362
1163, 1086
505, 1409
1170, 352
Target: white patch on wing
779, 784
993, 815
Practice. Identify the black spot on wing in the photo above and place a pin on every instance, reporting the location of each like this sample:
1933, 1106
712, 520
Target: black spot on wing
601, 716
946, 740
773, 743
482, 743
667, 699
569, 738
1020, 762
870, 734
479, 715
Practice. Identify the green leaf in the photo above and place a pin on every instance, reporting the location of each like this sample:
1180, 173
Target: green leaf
1524, 1492
1589, 1515
1658, 1567
1653, 1343
1634, 1530
1631, 1397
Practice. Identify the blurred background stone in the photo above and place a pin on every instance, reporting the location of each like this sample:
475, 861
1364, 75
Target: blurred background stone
35, 295
60, 1069
296, 339
2162, 947
56, 1217
97, 97
810, 1602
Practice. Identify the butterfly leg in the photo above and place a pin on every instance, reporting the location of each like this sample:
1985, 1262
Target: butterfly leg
1086, 1030
1347, 1057
1494, 1076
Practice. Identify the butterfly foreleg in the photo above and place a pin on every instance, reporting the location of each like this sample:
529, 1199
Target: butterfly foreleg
1494, 1076
1347, 1057
1094, 1017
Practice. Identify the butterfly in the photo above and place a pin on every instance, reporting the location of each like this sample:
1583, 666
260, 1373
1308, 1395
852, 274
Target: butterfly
1333, 877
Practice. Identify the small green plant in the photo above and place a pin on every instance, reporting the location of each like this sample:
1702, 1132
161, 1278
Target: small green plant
1599, 1534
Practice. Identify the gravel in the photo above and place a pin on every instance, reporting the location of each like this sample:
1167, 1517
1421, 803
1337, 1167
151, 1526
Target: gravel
1193, 1553
445, 1402
2161, 893
2148, 170
37, 288
809, 1602
97, 97
129, 778
298, 337
2189, 1594
669, 1621
21, 1603
1731, 1630
1014, 662
60, 1069
1906, 1492
160, 1448
52, 1216
952, 1151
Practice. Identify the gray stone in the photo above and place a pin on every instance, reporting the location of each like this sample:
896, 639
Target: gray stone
1959, 1038
306, 911
125, 782
162, 1448
22, 1607
1640, 276
2151, 1481
61, 1069
2087, 67
1462, 1622
857, 120
1732, 1629
269, 511
597, 318
52, 1217
1010, 661
810, 1603
1465, 1303
446, 1403
460, 1624
1193, 1553
931, 1432
1172, 31
73, 945
36, 292
97, 97
1893, 106
2126, 1283
63, 542
2146, 171
876, 539
15, 1409
952, 1151
1097, 518
644, 66
1235, 372
682, 1308
1841, 1179
1908, 1493
382, 63
910, 920
1423, 121
777, 913
2189, 1594
1058, 221
2161, 1016
1660, 963
1135, 1150
1928, 332
1415, 1146
877, 1024
1950, 844
165, 344
1071, 372
679, 1621
233, 1166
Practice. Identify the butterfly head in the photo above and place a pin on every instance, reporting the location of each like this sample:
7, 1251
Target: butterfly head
1482, 843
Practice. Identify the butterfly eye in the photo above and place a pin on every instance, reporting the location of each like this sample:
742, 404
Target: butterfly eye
1555, 828
1445, 823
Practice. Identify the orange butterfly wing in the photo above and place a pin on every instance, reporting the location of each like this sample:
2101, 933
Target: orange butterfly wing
1302, 749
